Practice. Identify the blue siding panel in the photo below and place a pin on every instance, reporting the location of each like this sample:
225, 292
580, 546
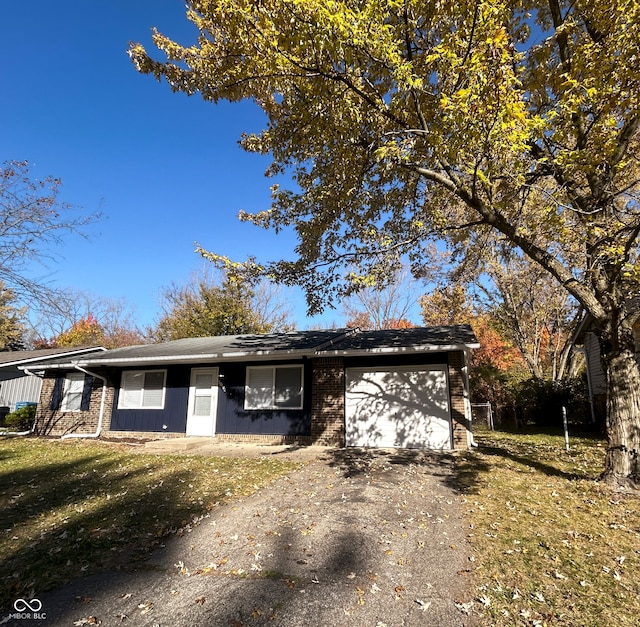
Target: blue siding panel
171, 419
231, 417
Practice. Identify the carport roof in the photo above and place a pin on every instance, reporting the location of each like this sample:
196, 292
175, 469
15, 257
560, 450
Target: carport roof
275, 346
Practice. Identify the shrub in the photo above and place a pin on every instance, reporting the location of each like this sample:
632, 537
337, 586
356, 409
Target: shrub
518, 401
540, 402
22, 419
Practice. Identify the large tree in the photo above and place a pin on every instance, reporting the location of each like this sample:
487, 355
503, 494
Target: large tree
76, 317
33, 223
405, 121
535, 312
388, 306
230, 306
12, 329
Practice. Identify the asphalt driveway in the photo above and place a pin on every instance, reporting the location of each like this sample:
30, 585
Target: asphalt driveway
353, 538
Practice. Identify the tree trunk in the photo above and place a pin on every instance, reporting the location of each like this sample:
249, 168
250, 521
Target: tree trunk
622, 464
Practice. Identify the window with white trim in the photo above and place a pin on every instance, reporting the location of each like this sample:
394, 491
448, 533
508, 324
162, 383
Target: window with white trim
273, 387
142, 389
72, 394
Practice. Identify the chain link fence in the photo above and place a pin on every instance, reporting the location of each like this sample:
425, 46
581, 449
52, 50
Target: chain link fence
482, 417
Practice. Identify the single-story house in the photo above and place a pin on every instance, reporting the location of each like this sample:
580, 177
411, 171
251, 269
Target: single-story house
393, 388
20, 373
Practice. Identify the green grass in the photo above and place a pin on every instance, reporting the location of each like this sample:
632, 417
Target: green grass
552, 546
72, 508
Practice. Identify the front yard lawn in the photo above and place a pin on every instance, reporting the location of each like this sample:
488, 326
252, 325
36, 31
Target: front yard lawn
552, 546
71, 508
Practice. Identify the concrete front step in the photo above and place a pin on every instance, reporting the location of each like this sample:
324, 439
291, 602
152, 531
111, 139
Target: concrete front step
177, 444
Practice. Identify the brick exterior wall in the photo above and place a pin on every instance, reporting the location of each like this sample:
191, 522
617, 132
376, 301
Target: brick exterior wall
58, 423
460, 421
327, 401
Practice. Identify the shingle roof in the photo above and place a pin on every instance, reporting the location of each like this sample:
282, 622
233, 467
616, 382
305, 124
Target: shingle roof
18, 358
414, 339
222, 348
285, 345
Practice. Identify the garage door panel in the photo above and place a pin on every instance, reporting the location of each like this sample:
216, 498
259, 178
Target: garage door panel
398, 408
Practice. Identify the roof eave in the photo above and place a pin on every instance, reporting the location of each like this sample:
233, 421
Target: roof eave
198, 358
29, 363
431, 348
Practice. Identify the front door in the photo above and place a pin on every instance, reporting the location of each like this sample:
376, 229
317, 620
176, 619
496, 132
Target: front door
203, 401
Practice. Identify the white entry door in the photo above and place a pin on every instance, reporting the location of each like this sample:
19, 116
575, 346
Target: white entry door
203, 401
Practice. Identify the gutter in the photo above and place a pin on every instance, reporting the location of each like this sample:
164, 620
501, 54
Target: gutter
193, 358
101, 413
400, 350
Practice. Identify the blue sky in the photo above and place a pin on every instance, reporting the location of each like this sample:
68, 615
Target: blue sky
164, 169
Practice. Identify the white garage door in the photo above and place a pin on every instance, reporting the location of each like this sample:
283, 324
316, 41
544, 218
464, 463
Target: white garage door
404, 407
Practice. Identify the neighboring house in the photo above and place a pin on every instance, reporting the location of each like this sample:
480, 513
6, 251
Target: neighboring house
19, 380
392, 388
587, 342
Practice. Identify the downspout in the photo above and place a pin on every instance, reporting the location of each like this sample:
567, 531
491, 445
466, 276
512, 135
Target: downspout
33, 426
100, 414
